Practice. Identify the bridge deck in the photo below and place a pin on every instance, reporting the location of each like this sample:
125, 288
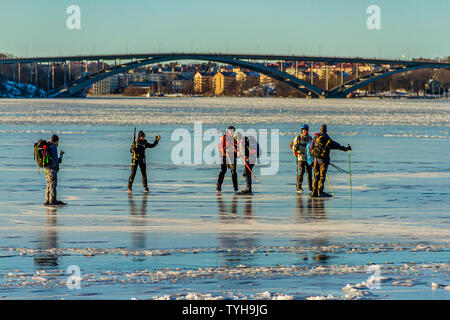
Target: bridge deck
257, 57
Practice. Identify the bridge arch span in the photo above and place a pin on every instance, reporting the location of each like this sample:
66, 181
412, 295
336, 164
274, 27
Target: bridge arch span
344, 90
79, 85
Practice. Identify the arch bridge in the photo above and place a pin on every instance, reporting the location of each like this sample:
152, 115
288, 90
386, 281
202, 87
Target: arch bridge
263, 64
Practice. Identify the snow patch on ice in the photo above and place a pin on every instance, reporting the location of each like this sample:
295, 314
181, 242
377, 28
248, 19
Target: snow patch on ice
357, 291
199, 296
327, 297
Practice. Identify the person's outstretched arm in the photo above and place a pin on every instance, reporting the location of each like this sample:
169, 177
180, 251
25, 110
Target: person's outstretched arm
335, 145
154, 144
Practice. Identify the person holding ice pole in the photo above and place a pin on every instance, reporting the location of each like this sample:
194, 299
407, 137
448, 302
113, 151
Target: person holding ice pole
248, 151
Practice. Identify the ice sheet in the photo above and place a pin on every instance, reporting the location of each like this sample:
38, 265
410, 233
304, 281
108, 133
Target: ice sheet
183, 241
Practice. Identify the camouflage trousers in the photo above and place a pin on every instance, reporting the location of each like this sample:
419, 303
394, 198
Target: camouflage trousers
304, 166
52, 181
320, 173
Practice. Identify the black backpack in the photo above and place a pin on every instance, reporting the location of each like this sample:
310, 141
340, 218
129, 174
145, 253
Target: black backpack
321, 147
42, 153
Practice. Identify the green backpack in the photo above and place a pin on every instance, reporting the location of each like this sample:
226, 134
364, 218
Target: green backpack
42, 153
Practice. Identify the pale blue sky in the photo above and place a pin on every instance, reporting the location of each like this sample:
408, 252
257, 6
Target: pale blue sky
329, 27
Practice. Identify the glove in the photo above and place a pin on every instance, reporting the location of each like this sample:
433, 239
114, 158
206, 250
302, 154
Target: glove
348, 148
158, 137
61, 153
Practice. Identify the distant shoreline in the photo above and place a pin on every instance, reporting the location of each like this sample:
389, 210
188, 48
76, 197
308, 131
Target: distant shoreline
119, 96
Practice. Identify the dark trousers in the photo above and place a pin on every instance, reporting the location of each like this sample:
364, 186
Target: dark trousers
134, 166
320, 173
304, 166
223, 169
248, 176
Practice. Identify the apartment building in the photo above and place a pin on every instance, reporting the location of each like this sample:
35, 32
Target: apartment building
203, 82
224, 82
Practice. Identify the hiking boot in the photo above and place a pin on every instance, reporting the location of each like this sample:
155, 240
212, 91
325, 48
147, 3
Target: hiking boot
314, 194
58, 203
246, 191
146, 190
324, 194
129, 190
46, 203
299, 190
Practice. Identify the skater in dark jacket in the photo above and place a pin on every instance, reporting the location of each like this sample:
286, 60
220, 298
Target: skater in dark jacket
138, 158
320, 149
248, 150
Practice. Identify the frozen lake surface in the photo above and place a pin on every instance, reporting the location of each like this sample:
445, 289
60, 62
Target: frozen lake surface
183, 241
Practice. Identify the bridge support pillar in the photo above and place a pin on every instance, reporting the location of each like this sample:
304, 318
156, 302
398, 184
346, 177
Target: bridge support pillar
36, 73
65, 76
70, 72
53, 75
48, 78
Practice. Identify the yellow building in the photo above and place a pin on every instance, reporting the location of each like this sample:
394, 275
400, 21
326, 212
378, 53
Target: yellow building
365, 68
203, 82
246, 79
224, 82
263, 79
